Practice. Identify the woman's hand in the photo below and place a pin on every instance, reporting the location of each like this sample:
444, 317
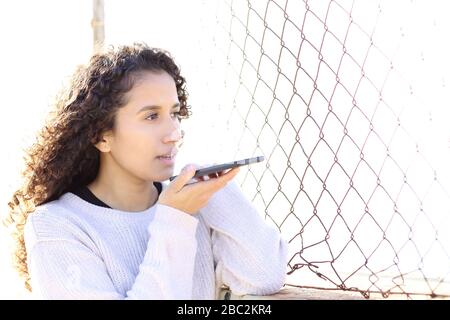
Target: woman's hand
190, 198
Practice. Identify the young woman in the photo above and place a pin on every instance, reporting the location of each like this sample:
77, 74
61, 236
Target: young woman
94, 218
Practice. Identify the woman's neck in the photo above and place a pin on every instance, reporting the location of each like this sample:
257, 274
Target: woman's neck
120, 191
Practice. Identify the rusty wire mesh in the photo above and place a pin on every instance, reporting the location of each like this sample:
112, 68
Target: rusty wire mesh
348, 179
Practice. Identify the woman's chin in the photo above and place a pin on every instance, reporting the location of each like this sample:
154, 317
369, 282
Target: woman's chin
163, 176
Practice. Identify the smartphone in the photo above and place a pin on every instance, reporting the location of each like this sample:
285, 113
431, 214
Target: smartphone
221, 167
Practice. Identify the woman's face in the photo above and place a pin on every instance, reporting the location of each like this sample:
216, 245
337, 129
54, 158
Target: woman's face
147, 127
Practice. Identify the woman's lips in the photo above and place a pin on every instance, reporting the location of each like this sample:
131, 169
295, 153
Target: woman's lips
167, 161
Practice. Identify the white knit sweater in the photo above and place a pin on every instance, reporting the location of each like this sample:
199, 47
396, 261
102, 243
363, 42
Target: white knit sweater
77, 250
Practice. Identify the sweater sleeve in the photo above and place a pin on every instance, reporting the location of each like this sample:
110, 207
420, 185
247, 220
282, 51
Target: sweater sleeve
250, 256
63, 267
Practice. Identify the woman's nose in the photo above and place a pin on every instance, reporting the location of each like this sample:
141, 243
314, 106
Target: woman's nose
176, 135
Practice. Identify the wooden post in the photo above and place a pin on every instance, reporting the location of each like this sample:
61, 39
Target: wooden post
98, 25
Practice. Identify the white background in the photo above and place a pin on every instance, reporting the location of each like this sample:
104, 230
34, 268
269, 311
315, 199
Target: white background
43, 41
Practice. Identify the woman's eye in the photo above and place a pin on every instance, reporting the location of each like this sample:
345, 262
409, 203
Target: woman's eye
151, 116
177, 114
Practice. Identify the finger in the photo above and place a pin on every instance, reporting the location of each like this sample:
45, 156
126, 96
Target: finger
183, 178
200, 178
213, 175
221, 181
230, 174
212, 185
221, 173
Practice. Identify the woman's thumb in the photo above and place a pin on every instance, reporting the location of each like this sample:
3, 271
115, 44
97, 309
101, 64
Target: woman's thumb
185, 175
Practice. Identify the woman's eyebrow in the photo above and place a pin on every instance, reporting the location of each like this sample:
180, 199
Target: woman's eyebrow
157, 107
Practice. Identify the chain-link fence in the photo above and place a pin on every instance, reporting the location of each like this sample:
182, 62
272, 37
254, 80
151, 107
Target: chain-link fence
351, 178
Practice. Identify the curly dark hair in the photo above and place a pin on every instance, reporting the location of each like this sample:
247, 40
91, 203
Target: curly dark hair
64, 157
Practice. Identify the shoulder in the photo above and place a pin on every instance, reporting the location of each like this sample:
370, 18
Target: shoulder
52, 221
55, 212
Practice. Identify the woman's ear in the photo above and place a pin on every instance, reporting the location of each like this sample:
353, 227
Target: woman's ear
104, 145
